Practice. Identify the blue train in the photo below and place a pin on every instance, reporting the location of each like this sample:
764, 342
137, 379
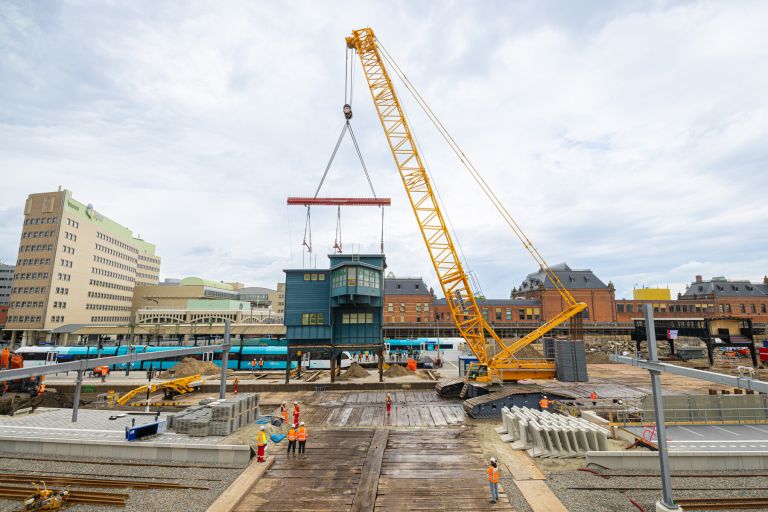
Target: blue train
240, 357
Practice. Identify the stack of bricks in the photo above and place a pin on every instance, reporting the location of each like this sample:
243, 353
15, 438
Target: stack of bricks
219, 418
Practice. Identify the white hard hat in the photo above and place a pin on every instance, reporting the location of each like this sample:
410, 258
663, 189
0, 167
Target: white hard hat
262, 428
283, 402
302, 423
294, 425
296, 403
493, 459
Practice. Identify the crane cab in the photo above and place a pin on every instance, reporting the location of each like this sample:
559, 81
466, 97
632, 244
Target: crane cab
478, 373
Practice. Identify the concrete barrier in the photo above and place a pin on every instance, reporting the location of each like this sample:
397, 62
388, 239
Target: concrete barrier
544, 434
681, 461
238, 455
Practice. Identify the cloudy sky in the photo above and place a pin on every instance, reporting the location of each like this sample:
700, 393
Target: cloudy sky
626, 137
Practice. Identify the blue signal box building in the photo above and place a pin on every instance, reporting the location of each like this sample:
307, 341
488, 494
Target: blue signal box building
329, 311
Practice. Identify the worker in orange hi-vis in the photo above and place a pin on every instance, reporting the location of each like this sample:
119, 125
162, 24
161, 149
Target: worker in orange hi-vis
544, 403
493, 479
593, 396
234, 384
389, 404
301, 436
296, 412
291, 436
5, 358
284, 412
261, 443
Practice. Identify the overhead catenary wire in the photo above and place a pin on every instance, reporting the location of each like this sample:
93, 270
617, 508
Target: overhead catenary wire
487, 190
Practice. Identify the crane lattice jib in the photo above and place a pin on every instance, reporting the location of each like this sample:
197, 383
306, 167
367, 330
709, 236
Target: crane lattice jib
453, 280
461, 302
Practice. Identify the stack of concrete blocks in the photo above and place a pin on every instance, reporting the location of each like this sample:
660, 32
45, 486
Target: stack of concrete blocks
218, 418
547, 435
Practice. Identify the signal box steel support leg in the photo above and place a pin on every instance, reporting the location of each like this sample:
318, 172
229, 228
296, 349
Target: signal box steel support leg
225, 359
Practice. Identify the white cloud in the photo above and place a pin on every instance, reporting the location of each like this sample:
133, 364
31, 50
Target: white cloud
624, 137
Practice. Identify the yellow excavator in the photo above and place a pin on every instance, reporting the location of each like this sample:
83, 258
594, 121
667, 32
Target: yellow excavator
170, 388
503, 364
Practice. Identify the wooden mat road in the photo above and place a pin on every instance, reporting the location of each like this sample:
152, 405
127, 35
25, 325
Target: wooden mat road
368, 409
384, 469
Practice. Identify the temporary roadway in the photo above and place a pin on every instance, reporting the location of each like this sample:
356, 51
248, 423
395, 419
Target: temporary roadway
383, 468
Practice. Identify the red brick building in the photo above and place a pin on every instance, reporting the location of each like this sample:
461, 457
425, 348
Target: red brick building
408, 300
3, 315
497, 311
715, 297
583, 284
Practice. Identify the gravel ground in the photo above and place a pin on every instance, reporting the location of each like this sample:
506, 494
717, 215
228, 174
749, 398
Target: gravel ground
189, 500
612, 500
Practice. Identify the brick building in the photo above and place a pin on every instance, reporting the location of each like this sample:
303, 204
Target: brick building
715, 297
408, 300
583, 284
497, 311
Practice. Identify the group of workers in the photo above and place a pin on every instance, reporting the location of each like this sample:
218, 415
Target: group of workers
297, 433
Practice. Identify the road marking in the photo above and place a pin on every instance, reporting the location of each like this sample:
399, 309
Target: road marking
691, 431
725, 430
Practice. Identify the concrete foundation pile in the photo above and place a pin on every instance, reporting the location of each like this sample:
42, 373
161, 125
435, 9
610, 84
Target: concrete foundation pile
548, 435
218, 418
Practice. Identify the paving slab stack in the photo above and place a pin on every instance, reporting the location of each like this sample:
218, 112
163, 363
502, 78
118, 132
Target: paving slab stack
217, 418
547, 435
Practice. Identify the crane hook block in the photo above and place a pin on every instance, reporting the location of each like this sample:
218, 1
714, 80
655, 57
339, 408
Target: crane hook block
348, 111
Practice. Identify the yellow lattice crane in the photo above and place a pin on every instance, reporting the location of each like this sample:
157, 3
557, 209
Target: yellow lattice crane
503, 365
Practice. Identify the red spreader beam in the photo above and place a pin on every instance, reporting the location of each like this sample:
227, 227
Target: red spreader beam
340, 201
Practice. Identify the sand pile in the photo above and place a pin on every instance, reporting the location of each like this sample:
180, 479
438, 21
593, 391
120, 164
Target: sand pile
191, 366
355, 371
597, 358
397, 371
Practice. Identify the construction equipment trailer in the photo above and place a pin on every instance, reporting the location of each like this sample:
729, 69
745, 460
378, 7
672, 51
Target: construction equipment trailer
493, 367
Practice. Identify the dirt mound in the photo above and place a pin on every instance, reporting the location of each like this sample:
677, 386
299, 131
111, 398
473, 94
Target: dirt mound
597, 358
355, 371
191, 366
396, 371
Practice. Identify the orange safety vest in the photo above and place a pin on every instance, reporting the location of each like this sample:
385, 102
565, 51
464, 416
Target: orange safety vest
493, 474
291, 435
302, 434
544, 403
261, 438
284, 414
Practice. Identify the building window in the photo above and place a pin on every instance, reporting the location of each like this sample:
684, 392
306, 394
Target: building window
390, 308
357, 318
727, 308
585, 314
521, 313
762, 308
752, 308
629, 308
508, 315
742, 309
313, 319
620, 308
352, 276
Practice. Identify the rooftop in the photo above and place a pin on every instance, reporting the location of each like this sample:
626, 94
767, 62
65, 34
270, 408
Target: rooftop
722, 287
572, 279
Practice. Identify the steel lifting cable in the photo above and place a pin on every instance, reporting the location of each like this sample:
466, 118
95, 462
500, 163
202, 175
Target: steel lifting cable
475, 173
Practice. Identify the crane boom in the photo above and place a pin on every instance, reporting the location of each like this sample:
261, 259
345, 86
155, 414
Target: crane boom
454, 281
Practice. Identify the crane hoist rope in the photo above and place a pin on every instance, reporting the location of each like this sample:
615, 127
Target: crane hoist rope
454, 281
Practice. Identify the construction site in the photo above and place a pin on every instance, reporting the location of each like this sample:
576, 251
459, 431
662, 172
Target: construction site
675, 418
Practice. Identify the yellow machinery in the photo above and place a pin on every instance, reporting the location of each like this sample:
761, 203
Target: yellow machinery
504, 365
171, 388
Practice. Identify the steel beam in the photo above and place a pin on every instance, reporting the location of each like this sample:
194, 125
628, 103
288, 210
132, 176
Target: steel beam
76, 403
87, 364
717, 378
339, 201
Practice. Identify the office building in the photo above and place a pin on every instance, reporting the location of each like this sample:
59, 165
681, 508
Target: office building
75, 267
